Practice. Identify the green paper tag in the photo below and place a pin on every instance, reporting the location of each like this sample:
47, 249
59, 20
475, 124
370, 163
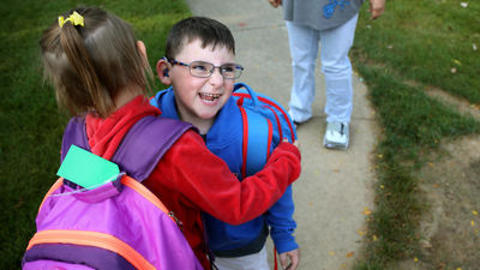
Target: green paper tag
86, 169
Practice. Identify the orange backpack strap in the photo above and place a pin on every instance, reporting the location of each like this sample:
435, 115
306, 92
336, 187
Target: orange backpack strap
52, 189
95, 239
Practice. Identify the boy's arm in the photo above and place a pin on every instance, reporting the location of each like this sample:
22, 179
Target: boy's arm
282, 225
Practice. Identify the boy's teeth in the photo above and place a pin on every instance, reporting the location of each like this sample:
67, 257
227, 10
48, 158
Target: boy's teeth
209, 97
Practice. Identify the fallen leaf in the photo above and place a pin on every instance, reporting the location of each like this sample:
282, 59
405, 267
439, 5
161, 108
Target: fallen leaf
331, 253
472, 223
382, 186
360, 232
415, 259
366, 211
374, 238
474, 212
380, 156
459, 268
350, 254
436, 185
425, 243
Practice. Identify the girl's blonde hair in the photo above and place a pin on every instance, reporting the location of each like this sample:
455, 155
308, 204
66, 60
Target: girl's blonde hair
90, 64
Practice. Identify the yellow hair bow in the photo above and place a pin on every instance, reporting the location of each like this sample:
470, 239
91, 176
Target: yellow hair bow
74, 18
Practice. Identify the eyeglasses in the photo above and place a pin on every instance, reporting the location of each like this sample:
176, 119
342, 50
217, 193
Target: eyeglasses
203, 69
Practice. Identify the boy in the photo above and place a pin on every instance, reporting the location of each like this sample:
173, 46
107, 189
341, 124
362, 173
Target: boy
199, 65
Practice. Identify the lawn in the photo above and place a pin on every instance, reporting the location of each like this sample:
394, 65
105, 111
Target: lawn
416, 46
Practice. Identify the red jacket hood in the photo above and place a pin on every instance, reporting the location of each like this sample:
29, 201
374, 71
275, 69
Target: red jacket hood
105, 135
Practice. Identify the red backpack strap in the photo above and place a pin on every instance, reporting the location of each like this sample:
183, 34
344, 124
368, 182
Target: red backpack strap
292, 135
269, 108
257, 140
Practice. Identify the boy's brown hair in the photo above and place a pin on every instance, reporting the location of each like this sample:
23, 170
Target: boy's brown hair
208, 31
90, 64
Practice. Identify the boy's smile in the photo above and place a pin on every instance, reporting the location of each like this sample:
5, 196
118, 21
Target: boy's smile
199, 100
207, 97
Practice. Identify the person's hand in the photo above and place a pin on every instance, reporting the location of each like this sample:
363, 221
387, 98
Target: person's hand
296, 143
377, 7
275, 3
293, 255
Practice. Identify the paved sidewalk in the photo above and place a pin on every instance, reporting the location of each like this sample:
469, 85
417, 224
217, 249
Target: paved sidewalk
335, 186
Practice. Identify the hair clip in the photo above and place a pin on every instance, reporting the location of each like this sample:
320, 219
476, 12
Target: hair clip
74, 18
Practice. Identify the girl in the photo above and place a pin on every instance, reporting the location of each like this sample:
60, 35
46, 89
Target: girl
99, 72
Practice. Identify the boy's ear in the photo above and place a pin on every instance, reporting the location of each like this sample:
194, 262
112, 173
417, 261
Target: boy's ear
163, 71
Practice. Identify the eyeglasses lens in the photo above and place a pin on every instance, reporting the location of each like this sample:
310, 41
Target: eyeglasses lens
201, 69
204, 69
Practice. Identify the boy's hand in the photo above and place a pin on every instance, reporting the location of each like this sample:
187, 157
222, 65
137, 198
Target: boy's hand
377, 7
296, 143
293, 255
275, 3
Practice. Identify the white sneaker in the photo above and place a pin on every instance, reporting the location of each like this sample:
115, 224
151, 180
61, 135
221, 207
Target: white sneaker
336, 135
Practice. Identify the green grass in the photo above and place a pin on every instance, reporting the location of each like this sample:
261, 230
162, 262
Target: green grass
32, 126
426, 40
413, 47
413, 124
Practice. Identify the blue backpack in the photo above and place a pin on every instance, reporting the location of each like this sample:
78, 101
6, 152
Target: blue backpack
265, 124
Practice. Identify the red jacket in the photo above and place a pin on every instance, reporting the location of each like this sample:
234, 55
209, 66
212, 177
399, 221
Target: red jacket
190, 179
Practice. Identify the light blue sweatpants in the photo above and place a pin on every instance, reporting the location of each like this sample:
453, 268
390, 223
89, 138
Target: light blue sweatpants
335, 44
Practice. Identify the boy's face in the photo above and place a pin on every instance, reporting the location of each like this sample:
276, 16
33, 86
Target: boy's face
200, 99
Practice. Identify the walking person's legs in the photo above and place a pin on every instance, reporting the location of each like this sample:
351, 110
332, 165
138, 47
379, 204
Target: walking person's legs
303, 43
337, 70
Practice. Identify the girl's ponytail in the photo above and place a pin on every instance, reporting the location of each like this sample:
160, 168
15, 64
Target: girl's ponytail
77, 54
90, 56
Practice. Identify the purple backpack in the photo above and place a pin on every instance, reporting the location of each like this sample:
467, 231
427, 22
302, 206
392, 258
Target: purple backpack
118, 225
